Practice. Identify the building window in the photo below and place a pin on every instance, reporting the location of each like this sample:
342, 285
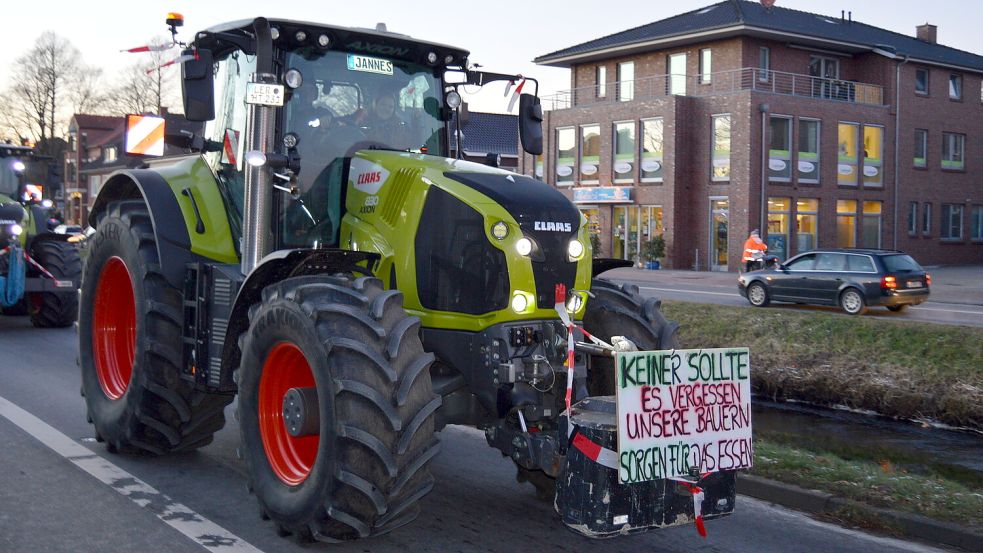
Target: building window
873, 156
720, 163
927, 218
846, 170
677, 74
913, 218
808, 166
624, 151
956, 86
826, 68
846, 223
806, 224
602, 81
780, 149
976, 232
952, 222
764, 64
537, 166
590, 153
871, 228
778, 227
566, 151
921, 148
652, 149
706, 67
921, 81
953, 148
626, 81
109, 154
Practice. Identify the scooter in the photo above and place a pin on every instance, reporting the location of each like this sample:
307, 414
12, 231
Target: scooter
762, 260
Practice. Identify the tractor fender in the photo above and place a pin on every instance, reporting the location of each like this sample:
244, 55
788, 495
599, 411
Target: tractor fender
602, 264
173, 239
273, 268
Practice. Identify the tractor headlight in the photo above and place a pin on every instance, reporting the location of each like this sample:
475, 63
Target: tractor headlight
500, 230
431, 57
15, 229
523, 246
575, 302
453, 99
575, 249
18, 166
293, 78
521, 301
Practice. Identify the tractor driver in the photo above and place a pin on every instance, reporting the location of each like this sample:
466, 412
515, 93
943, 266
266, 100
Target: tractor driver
382, 124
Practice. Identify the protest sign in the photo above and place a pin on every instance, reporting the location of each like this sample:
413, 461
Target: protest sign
682, 412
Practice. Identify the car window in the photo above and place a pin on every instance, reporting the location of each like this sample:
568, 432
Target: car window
900, 263
860, 263
802, 263
831, 262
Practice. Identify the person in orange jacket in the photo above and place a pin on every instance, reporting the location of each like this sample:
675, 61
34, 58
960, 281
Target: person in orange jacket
753, 246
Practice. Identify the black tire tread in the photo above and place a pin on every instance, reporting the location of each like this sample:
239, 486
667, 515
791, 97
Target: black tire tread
55, 309
377, 362
169, 414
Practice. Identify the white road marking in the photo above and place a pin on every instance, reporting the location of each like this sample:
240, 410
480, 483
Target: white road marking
920, 308
730, 295
202, 531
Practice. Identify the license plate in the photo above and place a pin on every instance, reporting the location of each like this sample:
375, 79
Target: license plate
914, 284
264, 94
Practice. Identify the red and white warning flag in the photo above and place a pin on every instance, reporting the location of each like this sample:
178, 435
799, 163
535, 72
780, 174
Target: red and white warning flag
149, 48
515, 94
179, 59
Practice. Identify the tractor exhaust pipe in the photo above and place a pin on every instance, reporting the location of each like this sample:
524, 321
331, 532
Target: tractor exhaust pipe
259, 122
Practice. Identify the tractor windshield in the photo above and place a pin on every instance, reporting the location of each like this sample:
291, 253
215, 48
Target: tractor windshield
9, 178
350, 102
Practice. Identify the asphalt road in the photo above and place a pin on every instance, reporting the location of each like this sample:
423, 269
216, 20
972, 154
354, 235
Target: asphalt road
61, 491
722, 290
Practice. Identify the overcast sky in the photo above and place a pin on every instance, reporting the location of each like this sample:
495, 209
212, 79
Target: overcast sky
502, 35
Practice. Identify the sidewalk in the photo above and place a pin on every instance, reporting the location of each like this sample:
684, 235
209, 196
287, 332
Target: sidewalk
957, 284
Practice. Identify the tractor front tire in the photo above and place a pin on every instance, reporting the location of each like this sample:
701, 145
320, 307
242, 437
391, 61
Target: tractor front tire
130, 324
619, 310
55, 309
355, 463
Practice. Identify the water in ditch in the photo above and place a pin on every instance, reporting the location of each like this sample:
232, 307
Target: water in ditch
917, 447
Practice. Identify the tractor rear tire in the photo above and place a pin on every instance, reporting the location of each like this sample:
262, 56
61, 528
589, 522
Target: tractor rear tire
55, 309
619, 310
130, 325
361, 464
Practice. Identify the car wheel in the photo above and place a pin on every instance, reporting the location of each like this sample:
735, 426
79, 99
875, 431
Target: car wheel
897, 308
757, 295
852, 302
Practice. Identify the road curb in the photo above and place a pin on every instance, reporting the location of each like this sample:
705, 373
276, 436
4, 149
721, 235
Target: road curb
817, 502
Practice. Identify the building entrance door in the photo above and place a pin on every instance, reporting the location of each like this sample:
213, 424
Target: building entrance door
633, 226
719, 221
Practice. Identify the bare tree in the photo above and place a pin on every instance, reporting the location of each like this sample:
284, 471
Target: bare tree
147, 86
41, 84
87, 94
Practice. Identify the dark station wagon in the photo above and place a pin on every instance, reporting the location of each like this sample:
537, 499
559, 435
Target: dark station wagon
852, 279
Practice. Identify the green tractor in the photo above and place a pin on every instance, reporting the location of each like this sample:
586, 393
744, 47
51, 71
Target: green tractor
40, 269
318, 257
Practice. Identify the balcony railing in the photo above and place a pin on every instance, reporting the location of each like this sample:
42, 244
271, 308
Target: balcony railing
722, 82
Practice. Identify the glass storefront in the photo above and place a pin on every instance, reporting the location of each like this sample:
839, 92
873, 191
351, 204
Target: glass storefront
846, 223
806, 224
719, 216
635, 225
778, 227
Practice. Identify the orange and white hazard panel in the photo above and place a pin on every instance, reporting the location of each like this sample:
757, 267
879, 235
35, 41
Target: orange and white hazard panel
144, 135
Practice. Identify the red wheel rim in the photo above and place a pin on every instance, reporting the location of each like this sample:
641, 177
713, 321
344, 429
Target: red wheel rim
114, 328
291, 458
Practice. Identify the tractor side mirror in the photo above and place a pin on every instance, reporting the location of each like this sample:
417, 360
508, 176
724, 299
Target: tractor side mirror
531, 124
197, 87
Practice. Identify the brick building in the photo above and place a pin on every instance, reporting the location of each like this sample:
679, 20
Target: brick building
819, 130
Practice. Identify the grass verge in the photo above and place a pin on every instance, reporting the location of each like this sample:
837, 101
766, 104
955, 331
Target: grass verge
881, 484
896, 368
